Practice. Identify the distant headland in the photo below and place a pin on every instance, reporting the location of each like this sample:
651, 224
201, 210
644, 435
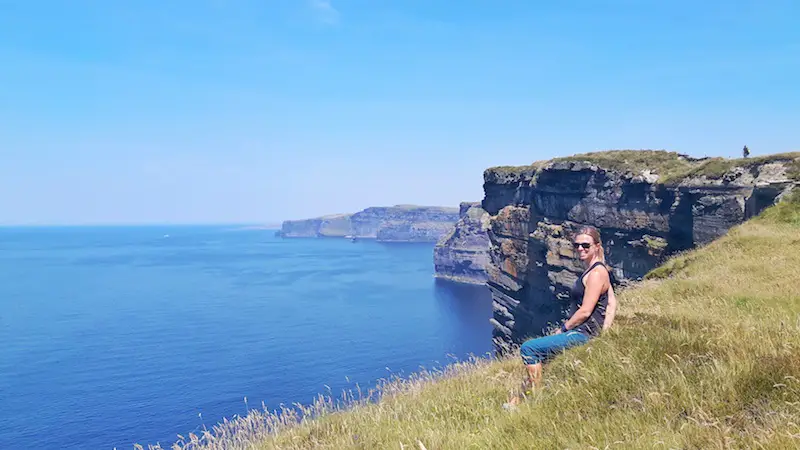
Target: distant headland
399, 223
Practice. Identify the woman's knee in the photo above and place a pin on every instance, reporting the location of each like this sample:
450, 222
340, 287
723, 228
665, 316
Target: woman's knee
531, 352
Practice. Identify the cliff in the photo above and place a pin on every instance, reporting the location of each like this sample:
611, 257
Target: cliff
337, 225
462, 254
647, 205
400, 223
404, 223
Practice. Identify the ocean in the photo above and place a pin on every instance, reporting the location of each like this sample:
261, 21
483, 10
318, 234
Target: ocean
111, 336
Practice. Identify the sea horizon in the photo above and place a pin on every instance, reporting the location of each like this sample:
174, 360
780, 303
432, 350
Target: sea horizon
270, 226
135, 334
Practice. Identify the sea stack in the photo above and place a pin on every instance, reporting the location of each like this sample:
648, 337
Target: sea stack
462, 255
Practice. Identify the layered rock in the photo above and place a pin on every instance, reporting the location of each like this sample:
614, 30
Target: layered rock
401, 231
462, 255
644, 214
337, 225
404, 222
401, 223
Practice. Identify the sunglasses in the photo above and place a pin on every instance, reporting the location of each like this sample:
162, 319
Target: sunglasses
585, 245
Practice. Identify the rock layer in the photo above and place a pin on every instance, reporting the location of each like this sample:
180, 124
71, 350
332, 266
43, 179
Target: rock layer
462, 255
337, 225
401, 223
404, 223
535, 211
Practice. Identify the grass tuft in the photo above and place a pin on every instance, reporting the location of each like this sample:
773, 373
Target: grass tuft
787, 211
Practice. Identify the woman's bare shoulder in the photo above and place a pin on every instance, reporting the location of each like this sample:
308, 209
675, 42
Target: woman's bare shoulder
599, 273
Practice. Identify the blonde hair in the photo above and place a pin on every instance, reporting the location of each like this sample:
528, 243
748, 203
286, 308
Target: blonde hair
593, 233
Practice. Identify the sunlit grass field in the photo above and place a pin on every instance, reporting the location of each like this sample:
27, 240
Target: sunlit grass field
705, 354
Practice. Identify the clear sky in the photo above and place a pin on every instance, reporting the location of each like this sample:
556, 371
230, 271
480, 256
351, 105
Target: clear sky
198, 111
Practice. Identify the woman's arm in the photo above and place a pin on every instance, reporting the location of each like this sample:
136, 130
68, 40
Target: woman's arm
596, 281
611, 311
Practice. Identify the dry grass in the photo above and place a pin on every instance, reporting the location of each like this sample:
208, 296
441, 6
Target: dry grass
715, 168
671, 167
662, 162
665, 164
707, 357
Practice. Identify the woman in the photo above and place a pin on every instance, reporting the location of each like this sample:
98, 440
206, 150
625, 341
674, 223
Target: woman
596, 303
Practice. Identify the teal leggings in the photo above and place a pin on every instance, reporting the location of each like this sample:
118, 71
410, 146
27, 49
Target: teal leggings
537, 350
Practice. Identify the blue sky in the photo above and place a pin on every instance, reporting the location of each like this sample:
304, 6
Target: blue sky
262, 110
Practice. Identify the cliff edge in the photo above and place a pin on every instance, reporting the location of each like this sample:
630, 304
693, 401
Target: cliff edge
647, 205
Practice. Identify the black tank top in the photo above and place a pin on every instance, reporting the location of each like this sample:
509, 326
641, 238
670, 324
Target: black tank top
594, 323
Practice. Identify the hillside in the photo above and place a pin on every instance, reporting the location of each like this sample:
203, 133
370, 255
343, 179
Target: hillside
705, 353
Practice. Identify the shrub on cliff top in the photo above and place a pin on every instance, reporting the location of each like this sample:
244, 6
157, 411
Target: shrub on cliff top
706, 358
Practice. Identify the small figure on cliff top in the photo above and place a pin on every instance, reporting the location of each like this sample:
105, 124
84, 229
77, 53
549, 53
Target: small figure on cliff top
745, 151
597, 306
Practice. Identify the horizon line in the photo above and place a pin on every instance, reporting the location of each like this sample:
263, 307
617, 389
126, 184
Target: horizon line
265, 225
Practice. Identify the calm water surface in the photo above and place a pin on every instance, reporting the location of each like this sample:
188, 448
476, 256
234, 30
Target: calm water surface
114, 335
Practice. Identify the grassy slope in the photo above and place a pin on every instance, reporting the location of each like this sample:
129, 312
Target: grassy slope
670, 166
704, 355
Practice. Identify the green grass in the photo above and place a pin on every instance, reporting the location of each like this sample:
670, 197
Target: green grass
661, 162
704, 356
671, 167
787, 211
715, 168
672, 266
658, 161
515, 171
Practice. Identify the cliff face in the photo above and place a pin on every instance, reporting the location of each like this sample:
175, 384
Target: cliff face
402, 223
462, 254
327, 226
300, 228
643, 214
401, 231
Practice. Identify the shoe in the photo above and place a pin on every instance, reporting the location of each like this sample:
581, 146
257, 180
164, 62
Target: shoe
510, 407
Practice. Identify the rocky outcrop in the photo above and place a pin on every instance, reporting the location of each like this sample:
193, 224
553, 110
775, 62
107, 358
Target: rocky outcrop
337, 225
462, 254
644, 215
401, 223
401, 231
404, 223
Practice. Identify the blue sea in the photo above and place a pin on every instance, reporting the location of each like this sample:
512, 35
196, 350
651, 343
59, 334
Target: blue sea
111, 336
